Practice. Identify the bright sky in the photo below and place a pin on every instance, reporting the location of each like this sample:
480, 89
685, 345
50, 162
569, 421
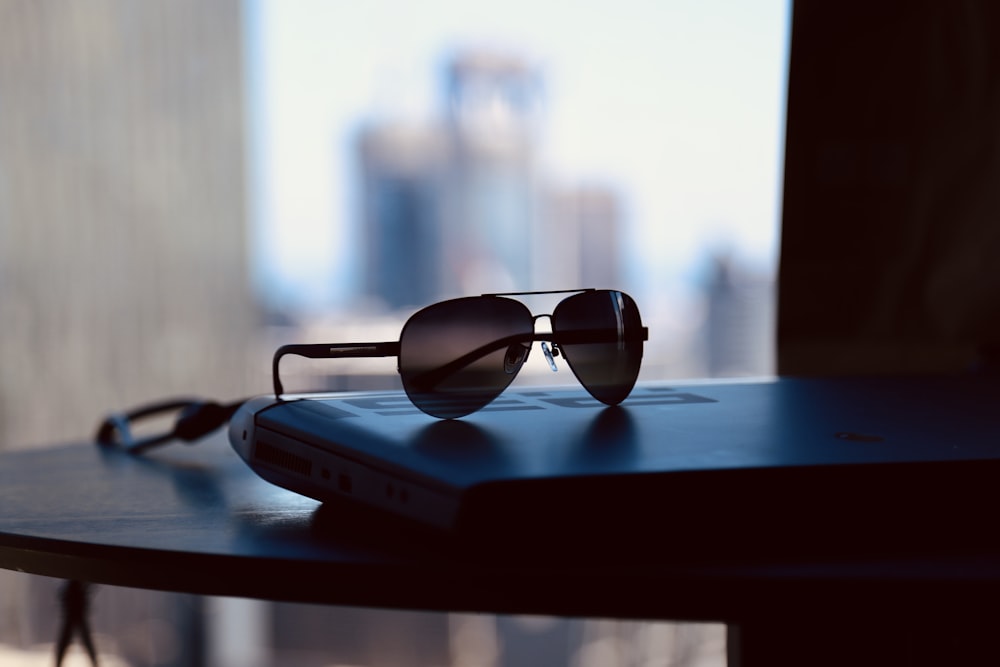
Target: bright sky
680, 103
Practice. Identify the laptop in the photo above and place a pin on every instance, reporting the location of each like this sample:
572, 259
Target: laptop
706, 469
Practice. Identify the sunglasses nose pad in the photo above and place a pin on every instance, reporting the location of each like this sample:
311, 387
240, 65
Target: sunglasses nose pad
515, 357
550, 355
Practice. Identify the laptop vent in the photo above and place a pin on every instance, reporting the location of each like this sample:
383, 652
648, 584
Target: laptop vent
278, 457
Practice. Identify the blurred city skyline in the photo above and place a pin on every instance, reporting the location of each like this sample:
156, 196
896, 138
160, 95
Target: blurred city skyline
677, 108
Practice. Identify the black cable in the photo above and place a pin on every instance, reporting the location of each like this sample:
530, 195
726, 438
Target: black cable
196, 419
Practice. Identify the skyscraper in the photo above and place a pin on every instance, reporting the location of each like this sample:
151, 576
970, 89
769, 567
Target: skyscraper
449, 207
404, 180
581, 232
494, 113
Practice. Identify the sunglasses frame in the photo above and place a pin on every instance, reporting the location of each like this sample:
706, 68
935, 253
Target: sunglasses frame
392, 348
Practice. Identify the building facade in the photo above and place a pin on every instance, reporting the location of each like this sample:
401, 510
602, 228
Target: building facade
123, 242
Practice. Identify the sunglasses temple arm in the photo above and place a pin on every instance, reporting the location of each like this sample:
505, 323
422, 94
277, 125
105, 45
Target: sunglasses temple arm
431, 379
329, 351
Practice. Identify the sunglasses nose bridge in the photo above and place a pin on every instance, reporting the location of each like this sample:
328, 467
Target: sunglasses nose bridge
535, 318
536, 330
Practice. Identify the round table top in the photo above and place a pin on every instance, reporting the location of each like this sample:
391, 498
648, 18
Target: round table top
196, 519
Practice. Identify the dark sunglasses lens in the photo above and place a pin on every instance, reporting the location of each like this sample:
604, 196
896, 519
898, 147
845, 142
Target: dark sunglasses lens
458, 355
600, 334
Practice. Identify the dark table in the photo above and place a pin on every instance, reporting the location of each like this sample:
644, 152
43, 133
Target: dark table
195, 519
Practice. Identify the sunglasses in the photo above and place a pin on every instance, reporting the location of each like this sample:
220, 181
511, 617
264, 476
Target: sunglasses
456, 356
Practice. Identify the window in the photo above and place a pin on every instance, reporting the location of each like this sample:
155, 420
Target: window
406, 154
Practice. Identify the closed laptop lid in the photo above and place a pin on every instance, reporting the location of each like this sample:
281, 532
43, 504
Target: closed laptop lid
564, 432
872, 456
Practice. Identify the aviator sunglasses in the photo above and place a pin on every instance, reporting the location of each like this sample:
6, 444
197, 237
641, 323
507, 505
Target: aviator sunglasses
456, 356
